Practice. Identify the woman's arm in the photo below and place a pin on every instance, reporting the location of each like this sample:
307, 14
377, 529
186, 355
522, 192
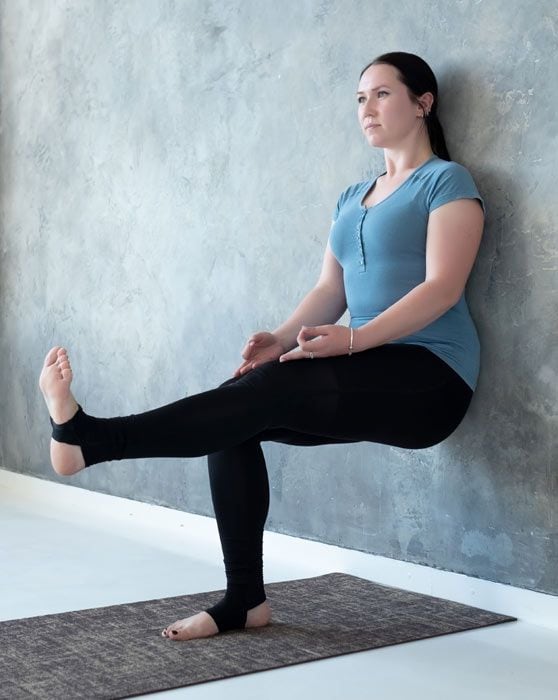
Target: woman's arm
325, 303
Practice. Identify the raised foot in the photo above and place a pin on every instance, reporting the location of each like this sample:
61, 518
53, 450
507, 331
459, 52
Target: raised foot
203, 625
54, 382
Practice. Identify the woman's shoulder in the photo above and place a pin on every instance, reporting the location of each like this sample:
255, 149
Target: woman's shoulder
354, 189
444, 180
441, 173
351, 193
438, 167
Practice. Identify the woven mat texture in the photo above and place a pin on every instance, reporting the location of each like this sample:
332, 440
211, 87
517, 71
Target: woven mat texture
118, 651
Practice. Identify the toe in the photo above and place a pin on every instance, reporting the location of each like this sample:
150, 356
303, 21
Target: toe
175, 630
171, 633
52, 355
64, 364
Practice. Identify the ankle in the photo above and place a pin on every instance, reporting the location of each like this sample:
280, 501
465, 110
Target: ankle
237, 610
66, 431
63, 411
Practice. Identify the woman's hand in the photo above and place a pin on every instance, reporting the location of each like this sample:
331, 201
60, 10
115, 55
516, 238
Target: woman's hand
261, 347
323, 341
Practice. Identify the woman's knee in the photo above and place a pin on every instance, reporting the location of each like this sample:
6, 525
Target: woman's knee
232, 380
262, 372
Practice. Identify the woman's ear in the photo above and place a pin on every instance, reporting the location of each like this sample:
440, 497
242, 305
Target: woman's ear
425, 103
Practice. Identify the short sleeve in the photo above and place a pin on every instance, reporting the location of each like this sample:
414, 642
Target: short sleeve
454, 182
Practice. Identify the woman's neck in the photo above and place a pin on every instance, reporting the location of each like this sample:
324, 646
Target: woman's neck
399, 163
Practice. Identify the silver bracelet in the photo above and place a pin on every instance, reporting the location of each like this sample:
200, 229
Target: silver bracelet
351, 343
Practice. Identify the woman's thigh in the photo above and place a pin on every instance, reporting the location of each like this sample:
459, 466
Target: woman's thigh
395, 394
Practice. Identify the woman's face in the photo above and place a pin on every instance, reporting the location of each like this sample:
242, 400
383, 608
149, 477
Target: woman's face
386, 113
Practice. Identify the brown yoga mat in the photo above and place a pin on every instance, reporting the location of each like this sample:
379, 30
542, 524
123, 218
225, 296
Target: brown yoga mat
118, 651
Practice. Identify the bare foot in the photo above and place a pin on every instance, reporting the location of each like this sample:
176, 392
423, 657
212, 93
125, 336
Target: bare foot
54, 382
203, 625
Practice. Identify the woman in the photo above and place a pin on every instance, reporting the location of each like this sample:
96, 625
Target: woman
399, 254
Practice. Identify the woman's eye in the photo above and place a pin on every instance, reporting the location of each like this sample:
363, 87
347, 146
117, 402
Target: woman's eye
380, 92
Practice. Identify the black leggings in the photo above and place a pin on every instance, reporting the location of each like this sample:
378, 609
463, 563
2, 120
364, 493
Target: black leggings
395, 394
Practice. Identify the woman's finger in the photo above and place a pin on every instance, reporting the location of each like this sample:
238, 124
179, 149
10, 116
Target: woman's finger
313, 331
256, 338
257, 341
314, 345
293, 355
241, 368
248, 349
306, 337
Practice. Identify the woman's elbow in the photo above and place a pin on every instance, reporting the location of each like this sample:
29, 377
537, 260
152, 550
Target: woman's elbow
446, 294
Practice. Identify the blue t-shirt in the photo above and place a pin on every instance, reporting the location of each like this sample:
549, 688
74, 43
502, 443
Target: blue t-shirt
382, 250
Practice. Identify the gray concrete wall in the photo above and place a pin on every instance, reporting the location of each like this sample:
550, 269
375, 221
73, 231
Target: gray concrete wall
168, 174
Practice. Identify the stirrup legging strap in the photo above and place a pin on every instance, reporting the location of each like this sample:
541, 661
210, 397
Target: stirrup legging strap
67, 432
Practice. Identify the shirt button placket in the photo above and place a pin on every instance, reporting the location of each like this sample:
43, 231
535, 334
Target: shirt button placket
362, 262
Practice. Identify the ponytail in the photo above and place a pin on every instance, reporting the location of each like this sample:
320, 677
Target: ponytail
436, 134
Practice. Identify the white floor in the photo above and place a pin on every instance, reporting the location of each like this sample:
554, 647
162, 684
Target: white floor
61, 549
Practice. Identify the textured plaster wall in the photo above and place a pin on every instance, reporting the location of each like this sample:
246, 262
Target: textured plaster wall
168, 174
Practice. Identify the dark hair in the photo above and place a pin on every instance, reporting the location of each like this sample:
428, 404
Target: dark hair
417, 75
